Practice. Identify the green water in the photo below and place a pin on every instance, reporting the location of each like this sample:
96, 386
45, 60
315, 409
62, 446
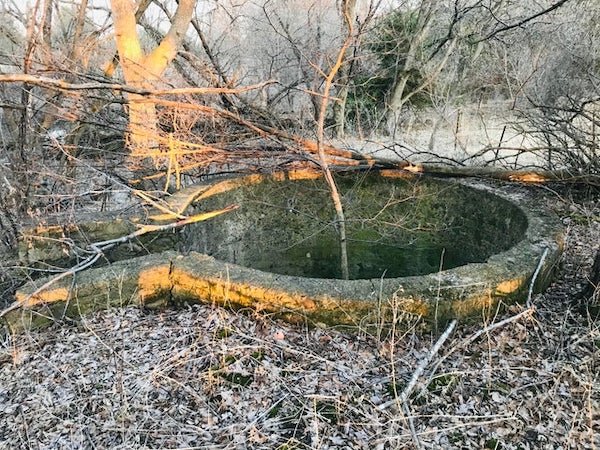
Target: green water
322, 260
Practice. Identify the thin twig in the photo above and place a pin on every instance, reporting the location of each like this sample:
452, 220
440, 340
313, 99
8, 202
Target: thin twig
534, 277
411, 426
421, 368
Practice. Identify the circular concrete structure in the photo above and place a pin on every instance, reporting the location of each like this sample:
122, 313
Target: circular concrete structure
436, 248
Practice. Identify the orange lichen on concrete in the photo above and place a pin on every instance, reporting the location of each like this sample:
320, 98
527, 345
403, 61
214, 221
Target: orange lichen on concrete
153, 281
44, 297
529, 177
297, 174
220, 290
186, 285
477, 302
412, 306
509, 286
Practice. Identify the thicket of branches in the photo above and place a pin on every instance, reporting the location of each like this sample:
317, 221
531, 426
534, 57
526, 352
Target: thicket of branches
248, 82
561, 98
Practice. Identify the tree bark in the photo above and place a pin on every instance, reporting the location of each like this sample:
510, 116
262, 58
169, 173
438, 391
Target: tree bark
47, 24
348, 11
23, 139
334, 191
396, 95
144, 70
111, 66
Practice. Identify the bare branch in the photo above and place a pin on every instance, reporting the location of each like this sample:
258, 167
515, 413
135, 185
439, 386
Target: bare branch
64, 85
523, 21
403, 397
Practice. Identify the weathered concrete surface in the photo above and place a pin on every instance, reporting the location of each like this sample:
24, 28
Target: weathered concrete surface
63, 243
170, 278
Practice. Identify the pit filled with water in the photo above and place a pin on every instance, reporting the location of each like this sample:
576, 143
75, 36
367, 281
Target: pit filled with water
395, 227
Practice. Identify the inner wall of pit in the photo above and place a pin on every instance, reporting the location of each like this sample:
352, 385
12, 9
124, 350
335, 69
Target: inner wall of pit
395, 227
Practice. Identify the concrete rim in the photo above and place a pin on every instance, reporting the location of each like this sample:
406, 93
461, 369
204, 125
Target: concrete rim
171, 278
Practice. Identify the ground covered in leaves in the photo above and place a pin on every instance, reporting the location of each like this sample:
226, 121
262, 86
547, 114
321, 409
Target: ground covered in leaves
204, 377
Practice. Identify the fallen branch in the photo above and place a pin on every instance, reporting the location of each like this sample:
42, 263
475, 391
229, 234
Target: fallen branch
521, 175
63, 85
411, 426
308, 145
338, 156
403, 397
534, 277
98, 248
525, 313
353, 159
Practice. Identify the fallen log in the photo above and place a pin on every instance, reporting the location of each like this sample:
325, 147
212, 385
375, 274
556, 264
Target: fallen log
518, 175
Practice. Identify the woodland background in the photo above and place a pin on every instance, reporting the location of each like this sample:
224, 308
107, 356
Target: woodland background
508, 83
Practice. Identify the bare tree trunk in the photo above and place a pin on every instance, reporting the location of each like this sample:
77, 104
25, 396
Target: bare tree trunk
47, 24
397, 93
75, 52
339, 111
111, 66
142, 117
348, 11
335, 193
144, 70
23, 140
